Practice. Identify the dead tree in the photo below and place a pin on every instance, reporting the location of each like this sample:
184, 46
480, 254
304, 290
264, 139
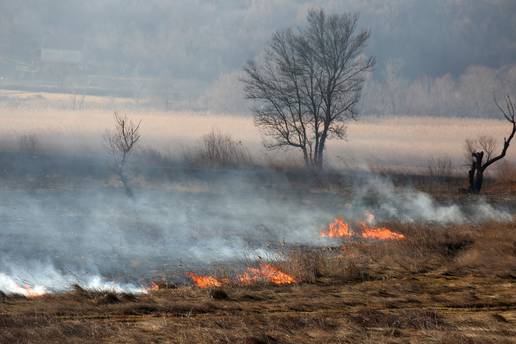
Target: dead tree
121, 143
478, 165
309, 83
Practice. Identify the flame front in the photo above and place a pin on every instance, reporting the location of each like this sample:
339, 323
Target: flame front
337, 229
31, 292
340, 229
266, 272
381, 233
153, 287
204, 281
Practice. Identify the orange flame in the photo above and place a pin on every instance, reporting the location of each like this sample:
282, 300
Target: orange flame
31, 292
381, 233
153, 287
204, 281
337, 229
266, 272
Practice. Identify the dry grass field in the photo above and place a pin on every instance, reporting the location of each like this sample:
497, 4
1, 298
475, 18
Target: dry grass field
439, 283
448, 284
258, 172
395, 143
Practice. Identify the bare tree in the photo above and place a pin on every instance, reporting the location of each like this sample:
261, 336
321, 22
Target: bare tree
309, 83
121, 142
485, 148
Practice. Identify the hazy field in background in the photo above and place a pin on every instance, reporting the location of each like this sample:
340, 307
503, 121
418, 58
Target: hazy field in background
393, 142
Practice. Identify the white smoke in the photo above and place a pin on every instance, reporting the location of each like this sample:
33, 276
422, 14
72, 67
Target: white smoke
41, 279
8, 285
51, 240
406, 204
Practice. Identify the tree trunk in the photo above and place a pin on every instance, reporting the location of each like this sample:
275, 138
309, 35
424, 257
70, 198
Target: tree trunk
476, 173
471, 177
479, 178
127, 187
320, 158
306, 158
320, 151
123, 177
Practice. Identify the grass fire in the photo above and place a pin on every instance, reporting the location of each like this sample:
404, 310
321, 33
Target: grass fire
258, 172
264, 273
340, 229
204, 281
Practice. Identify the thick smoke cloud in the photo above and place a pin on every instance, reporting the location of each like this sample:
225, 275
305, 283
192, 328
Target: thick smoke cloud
92, 235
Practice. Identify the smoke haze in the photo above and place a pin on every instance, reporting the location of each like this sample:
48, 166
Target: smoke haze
92, 236
188, 54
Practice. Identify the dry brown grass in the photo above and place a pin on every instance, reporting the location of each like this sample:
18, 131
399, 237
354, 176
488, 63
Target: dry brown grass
395, 143
481, 250
441, 285
504, 174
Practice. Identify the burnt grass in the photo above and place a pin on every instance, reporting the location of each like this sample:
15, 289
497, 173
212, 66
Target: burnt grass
444, 284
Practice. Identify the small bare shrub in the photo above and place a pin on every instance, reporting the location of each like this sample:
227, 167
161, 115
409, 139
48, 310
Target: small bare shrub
217, 149
440, 168
440, 171
29, 144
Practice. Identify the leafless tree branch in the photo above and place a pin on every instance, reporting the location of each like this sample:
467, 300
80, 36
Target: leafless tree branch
121, 142
309, 83
487, 148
